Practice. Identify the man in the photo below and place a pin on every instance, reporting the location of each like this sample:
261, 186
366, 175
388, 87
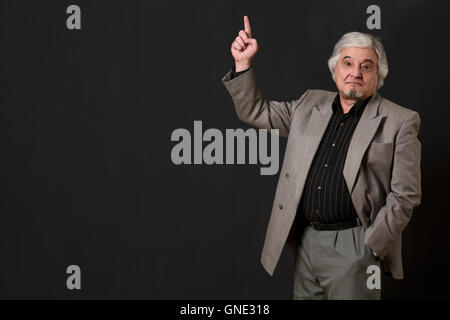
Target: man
351, 173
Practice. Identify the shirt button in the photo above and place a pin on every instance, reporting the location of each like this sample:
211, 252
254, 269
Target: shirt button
334, 144
317, 211
341, 124
326, 165
319, 187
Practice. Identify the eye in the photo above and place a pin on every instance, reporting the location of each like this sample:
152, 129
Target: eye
366, 67
347, 63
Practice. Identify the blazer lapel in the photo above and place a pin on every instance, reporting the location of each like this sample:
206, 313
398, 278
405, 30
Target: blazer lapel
306, 149
362, 136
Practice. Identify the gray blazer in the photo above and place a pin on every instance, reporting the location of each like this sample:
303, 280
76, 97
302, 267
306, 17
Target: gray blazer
382, 167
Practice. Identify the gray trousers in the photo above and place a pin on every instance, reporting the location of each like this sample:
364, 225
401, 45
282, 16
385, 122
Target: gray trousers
333, 265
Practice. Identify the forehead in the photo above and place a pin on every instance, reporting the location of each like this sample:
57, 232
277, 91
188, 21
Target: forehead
358, 54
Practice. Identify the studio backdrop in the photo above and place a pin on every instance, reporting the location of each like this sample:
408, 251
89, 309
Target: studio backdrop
96, 96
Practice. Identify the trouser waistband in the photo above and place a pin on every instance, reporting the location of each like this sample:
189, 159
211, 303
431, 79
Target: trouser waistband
319, 226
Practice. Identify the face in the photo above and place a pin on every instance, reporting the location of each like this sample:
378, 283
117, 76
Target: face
356, 73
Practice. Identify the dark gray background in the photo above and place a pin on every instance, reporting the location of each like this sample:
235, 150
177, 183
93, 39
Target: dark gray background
85, 125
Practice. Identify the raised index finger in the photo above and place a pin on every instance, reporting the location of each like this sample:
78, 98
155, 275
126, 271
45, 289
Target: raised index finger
247, 28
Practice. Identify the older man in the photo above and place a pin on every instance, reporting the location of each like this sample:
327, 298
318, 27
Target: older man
351, 174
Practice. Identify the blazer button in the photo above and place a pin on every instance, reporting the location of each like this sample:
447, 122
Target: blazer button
367, 219
281, 207
287, 175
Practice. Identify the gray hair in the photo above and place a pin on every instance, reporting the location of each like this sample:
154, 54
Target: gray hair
361, 40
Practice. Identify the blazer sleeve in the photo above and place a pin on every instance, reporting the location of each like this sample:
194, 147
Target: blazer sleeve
253, 109
405, 192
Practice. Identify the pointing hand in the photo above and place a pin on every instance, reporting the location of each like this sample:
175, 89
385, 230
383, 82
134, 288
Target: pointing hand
244, 47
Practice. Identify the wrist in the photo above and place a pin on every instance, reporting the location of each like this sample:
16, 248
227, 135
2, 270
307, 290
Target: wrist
244, 65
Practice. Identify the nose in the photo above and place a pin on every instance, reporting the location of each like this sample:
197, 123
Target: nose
356, 71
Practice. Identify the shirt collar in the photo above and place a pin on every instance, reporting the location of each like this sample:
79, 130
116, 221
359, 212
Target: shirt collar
356, 108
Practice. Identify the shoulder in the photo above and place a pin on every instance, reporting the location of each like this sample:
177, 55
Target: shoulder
324, 94
396, 112
317, 96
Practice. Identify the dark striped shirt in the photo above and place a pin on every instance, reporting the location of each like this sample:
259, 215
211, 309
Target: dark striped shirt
325, 196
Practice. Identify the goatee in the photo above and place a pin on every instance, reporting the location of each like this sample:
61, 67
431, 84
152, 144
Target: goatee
353, 93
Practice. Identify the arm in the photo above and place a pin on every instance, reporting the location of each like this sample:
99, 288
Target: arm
405, 192
253, 109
